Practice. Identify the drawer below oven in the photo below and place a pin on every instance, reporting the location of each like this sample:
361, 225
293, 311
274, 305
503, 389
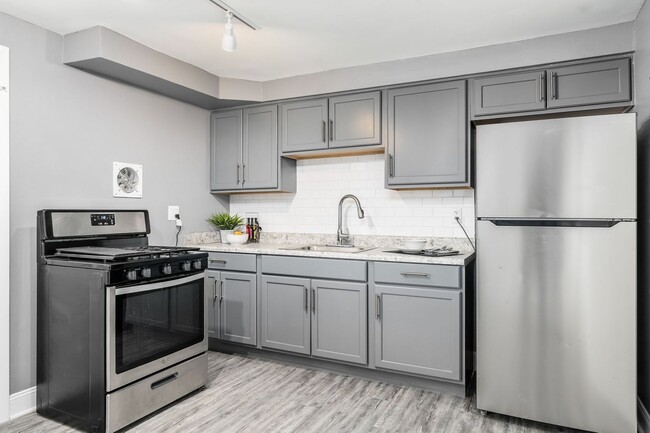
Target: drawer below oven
139, 399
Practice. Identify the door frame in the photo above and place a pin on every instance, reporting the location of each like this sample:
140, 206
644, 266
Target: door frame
4, 234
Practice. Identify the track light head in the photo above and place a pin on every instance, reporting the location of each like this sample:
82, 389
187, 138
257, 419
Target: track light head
229, 43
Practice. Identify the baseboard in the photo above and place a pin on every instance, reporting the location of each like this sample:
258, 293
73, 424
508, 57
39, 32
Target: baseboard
22, 403
643, 417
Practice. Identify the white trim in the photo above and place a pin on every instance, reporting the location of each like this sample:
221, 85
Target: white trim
643, 421
22, 402
4, 235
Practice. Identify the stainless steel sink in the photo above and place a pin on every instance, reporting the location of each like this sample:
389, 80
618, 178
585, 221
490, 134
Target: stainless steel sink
330, 248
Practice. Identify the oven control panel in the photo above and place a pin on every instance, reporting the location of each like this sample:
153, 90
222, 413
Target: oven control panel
162, 268
102, 219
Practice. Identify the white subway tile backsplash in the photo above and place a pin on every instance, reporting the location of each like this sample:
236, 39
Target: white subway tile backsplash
322, 182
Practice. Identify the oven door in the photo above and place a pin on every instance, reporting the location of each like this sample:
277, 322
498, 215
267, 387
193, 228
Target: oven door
152, 326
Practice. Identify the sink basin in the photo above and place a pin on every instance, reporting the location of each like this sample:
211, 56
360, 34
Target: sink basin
330, 248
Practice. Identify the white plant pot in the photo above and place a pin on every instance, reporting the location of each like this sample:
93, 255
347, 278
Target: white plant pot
224, 235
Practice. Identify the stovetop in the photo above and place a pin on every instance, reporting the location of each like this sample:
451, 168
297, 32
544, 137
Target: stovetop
106, 254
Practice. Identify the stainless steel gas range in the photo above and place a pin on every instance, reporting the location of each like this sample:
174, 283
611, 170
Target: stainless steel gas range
122, 326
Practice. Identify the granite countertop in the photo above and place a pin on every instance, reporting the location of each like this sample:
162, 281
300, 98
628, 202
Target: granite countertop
375, 254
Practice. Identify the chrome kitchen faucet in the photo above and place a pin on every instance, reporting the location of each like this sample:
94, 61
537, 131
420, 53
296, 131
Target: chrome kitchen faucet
343, 237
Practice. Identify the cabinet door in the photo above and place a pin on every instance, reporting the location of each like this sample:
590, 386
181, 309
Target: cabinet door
418, 331
512, 93
225, 150
285, 314
303, 125
260, 148
427, 134
211, 291
238, 308
590, 83
339, 321
355, 120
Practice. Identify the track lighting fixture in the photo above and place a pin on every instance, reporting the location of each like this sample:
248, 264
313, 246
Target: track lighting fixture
229, 43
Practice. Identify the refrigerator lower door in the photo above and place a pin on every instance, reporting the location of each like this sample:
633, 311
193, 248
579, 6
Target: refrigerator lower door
556, 324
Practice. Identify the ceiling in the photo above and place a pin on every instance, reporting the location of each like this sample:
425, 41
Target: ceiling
303, 36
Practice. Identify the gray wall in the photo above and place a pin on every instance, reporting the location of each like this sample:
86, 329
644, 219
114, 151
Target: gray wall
618, 38
67, 127
642, 83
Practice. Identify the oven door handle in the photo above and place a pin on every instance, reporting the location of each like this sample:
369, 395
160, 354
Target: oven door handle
156, 286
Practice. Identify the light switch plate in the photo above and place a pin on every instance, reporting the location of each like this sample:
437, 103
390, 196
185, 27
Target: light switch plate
172, 211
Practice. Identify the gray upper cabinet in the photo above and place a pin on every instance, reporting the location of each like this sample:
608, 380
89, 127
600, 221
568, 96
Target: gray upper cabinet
212, 301
225, 150
590, 84
355, 120
303, 125
427, 135
509, 93
244, 152
339, 323
579, 86
285, 314
260, 147
346, 121
418, 330
238, 312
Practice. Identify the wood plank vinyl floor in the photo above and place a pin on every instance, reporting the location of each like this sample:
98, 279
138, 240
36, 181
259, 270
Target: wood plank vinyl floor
250, 395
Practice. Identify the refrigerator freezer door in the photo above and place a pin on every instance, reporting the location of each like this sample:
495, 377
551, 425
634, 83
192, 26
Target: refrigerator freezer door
582, 167
556, 324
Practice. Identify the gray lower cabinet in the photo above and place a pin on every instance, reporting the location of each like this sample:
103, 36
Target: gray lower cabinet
326, 319
238, 308
285, 313
211, 292
339, 321
244, 152
232, 306
418, 330
427, 136
346, 121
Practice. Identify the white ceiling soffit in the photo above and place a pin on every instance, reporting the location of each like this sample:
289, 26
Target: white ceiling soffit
304, 36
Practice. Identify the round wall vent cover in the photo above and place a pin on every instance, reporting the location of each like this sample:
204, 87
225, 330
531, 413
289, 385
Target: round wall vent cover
127, 180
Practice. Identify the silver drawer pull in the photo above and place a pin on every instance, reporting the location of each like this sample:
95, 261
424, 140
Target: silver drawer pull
415, 274
218, 261
305, 298
164, 381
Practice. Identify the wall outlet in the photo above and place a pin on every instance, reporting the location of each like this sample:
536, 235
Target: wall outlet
458, 213
172, 211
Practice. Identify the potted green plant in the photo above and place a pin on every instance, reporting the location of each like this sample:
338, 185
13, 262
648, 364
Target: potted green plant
225, 223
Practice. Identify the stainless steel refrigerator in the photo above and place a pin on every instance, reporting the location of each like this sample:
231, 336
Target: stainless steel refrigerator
556, 271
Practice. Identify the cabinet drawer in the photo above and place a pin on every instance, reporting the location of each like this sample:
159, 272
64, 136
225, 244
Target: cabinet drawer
418, 275
232, 262
331, 269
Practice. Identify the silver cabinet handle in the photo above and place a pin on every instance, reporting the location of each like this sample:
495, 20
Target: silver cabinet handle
415, 274
243, 174
214, 291
306, 297
221, 293
331, 130
553, 85
390, 165
237, 174
324, 138
541, 86
218, 261
313, 300
378, 306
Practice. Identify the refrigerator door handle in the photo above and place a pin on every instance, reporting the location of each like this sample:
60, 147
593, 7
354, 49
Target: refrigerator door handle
556, 223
